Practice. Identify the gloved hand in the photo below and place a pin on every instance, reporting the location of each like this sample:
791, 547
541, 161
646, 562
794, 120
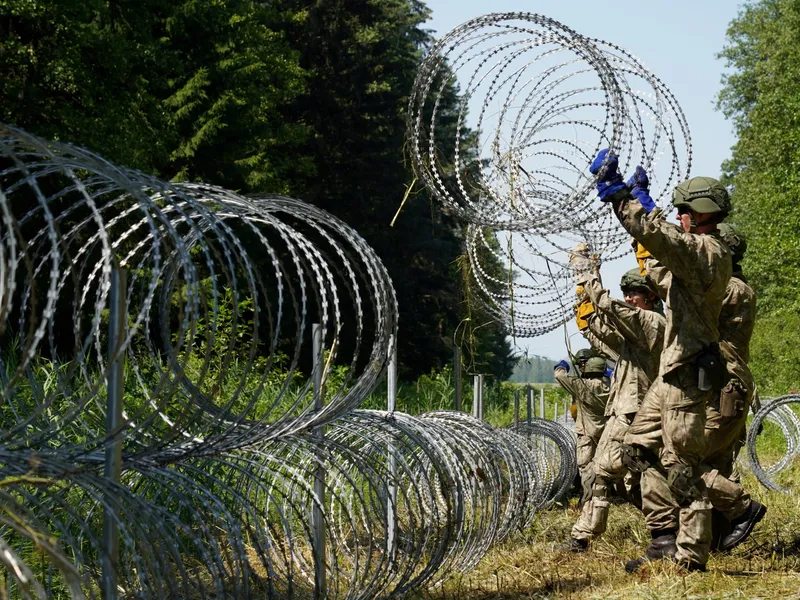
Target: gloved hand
583, 264
562, 365
609, 372
639, 185
609, 180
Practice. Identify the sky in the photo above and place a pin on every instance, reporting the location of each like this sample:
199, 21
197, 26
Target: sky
677, 40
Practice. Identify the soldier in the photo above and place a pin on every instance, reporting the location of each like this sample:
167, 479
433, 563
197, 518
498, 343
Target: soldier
590, 392
726, 414
726, 418
691, 369
581, 356
640, 328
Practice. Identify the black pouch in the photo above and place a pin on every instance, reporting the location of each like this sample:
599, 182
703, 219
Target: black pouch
712, 372
732, 399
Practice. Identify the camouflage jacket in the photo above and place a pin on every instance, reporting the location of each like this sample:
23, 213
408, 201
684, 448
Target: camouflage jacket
603, 339
700, 267
738, 316
591, 396
642, 339
736, 321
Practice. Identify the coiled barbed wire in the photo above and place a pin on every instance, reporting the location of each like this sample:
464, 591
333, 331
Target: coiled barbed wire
547, 100
556, 447
217, 283
221, 443
779, 412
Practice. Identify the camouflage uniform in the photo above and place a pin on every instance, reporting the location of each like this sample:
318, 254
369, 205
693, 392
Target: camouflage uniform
723, 435
591, 396
605, 342
700, 267
641, 336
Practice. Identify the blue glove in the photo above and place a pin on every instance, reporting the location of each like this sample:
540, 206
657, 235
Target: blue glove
639, 185
562, 365
609, 372
609, 181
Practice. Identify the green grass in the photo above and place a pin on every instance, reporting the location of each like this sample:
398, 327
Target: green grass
526, 566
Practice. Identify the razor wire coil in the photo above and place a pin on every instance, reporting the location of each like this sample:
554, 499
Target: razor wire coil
780, 413
219, 435
547, 100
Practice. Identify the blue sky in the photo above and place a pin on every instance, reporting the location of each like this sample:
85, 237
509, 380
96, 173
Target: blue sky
677, 40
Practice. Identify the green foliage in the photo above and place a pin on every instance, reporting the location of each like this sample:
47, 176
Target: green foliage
775, 361
306, 99
180, 88
761, 96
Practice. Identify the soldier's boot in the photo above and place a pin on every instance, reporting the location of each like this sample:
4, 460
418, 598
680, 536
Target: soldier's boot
720, 528
573, 545
742, 527
663, 545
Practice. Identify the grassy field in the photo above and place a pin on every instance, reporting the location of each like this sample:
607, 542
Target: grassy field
526, 566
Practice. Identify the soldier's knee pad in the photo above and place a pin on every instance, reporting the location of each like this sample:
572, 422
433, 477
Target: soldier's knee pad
681, 483
636, 458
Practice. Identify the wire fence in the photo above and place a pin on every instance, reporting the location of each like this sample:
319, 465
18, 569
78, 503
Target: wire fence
181, 374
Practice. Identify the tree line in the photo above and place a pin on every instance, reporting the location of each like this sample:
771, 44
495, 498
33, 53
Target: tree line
761, 97
303, 98
534, 369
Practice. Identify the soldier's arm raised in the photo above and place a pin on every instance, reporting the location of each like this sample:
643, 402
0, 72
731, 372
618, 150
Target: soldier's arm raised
604, 337
623, 317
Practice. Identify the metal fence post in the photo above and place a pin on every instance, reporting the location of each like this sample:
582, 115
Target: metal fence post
117, 331
457, 377
391, 404
541, 403
480, 397
475, 386
516, 408
317, 515
530, 405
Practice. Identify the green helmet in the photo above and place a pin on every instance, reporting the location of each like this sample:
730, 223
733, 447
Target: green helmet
734, 238
595, 365
633, 280
702, 195
584, 354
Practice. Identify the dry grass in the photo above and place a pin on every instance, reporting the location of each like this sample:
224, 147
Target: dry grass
526, 566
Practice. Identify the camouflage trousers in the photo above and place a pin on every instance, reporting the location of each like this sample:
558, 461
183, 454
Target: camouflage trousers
699, 441
723, 440
608, 470
586, 447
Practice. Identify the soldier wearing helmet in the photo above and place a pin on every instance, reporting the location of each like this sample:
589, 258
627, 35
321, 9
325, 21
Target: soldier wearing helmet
590, 394
691, 370
635, 330
726, 414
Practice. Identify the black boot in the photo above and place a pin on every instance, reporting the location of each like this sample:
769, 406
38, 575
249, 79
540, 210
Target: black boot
663, 545
720, 527
573, 545
742, 527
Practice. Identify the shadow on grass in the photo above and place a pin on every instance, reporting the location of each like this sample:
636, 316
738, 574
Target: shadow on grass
545, 589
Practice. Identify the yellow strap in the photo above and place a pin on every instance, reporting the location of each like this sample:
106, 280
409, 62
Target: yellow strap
641, 254
583, 312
